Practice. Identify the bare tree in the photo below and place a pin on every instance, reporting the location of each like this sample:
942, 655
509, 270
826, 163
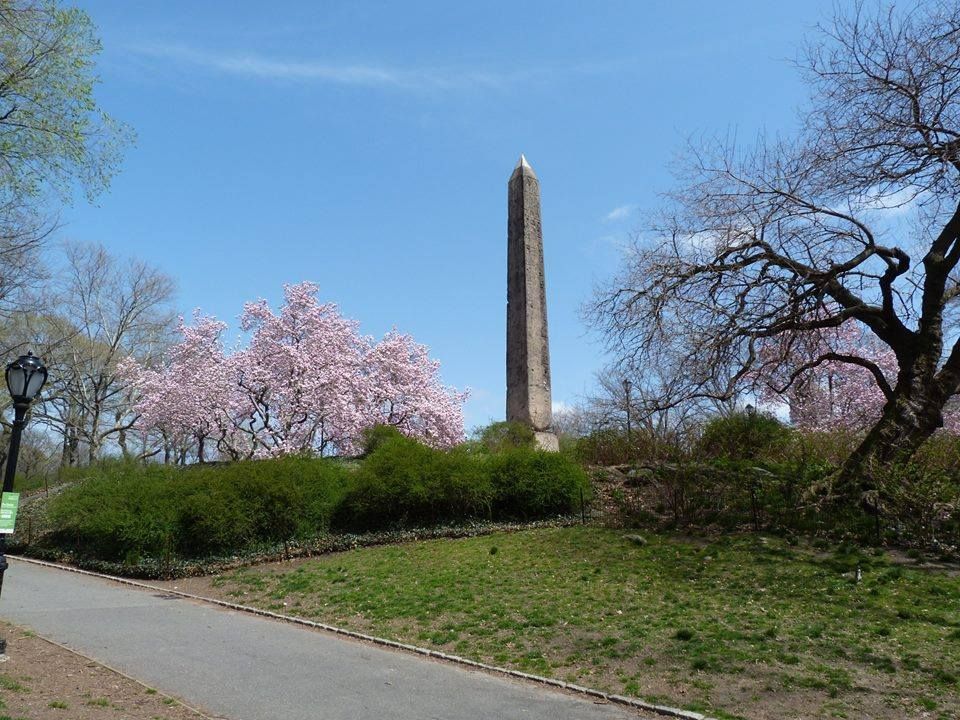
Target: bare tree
657, 412
106, 310
572, 421
792, 237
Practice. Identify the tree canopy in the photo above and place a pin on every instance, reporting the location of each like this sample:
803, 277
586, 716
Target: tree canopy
54, 139
52, 133
854, 221
307, 381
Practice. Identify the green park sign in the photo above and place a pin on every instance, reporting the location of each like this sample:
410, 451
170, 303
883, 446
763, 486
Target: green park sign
9, 502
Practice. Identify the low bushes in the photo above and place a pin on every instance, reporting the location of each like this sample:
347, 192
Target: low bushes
126, 512
612, 446
744, 436
123, 511
403, 483
920, 505
604, 447
733, 494
911, 505
528, 485
506, 435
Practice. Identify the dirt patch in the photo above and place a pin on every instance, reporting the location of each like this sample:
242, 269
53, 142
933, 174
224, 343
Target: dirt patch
43, 681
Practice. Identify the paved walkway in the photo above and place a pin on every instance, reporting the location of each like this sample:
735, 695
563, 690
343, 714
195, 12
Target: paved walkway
245, 667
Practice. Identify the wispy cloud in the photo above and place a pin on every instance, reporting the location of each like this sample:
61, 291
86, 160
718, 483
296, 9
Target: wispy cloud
619, 213
261, 67
899, 202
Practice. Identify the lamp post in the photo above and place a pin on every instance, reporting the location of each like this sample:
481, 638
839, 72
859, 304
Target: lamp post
626, 391
25, 378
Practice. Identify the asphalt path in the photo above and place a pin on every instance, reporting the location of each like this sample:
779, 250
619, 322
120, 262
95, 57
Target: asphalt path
244, 667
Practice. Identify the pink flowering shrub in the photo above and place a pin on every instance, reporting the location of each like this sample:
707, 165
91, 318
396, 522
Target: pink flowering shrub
307, 381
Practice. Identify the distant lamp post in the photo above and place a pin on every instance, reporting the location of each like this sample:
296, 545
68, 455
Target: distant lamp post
25, 378
627, 385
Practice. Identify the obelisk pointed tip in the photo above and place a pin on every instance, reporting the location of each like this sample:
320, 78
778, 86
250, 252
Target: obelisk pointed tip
523, 167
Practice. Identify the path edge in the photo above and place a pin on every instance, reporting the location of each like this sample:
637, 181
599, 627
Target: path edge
664, 710
179, 700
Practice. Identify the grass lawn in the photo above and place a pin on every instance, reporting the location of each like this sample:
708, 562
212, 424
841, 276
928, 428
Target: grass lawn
740, 627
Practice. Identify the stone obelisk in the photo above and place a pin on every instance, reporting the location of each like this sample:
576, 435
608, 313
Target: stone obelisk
528, 352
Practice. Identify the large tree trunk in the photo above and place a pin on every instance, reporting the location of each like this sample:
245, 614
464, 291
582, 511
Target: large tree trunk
121, 435
908, 420
71, 447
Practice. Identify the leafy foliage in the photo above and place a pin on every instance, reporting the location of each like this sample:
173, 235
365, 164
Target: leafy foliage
608, 446
743, 435
51, 131
505, 435
529, 484
122, 511
404, 483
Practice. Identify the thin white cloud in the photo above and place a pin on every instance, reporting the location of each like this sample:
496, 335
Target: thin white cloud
898, 202
619, 213
255, 66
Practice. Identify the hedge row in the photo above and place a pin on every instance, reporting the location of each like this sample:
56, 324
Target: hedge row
127, 513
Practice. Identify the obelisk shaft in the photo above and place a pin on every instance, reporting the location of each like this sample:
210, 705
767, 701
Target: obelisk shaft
528, 350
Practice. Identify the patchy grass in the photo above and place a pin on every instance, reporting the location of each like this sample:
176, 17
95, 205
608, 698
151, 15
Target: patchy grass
8, 683
741, 626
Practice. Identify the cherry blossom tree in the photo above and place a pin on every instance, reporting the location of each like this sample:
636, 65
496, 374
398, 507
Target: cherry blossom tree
406, 392
188, 399
831, 379
301, 378
307, 381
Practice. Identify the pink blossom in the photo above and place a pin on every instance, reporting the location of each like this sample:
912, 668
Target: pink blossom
407, 393
306, 382
833, 394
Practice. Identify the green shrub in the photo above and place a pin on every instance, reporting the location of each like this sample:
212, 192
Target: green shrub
499, 436
730, 494
404, 483
377, 435
745, 436
919, 505
823, 448
604, 447
126, 511
531, 484
940, 453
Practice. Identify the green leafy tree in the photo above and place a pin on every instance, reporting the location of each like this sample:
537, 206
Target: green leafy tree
54, 141
52, 133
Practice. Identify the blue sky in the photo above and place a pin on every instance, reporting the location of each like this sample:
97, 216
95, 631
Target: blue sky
366, 146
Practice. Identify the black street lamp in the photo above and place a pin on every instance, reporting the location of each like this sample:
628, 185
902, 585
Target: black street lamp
626, 391
25, 378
